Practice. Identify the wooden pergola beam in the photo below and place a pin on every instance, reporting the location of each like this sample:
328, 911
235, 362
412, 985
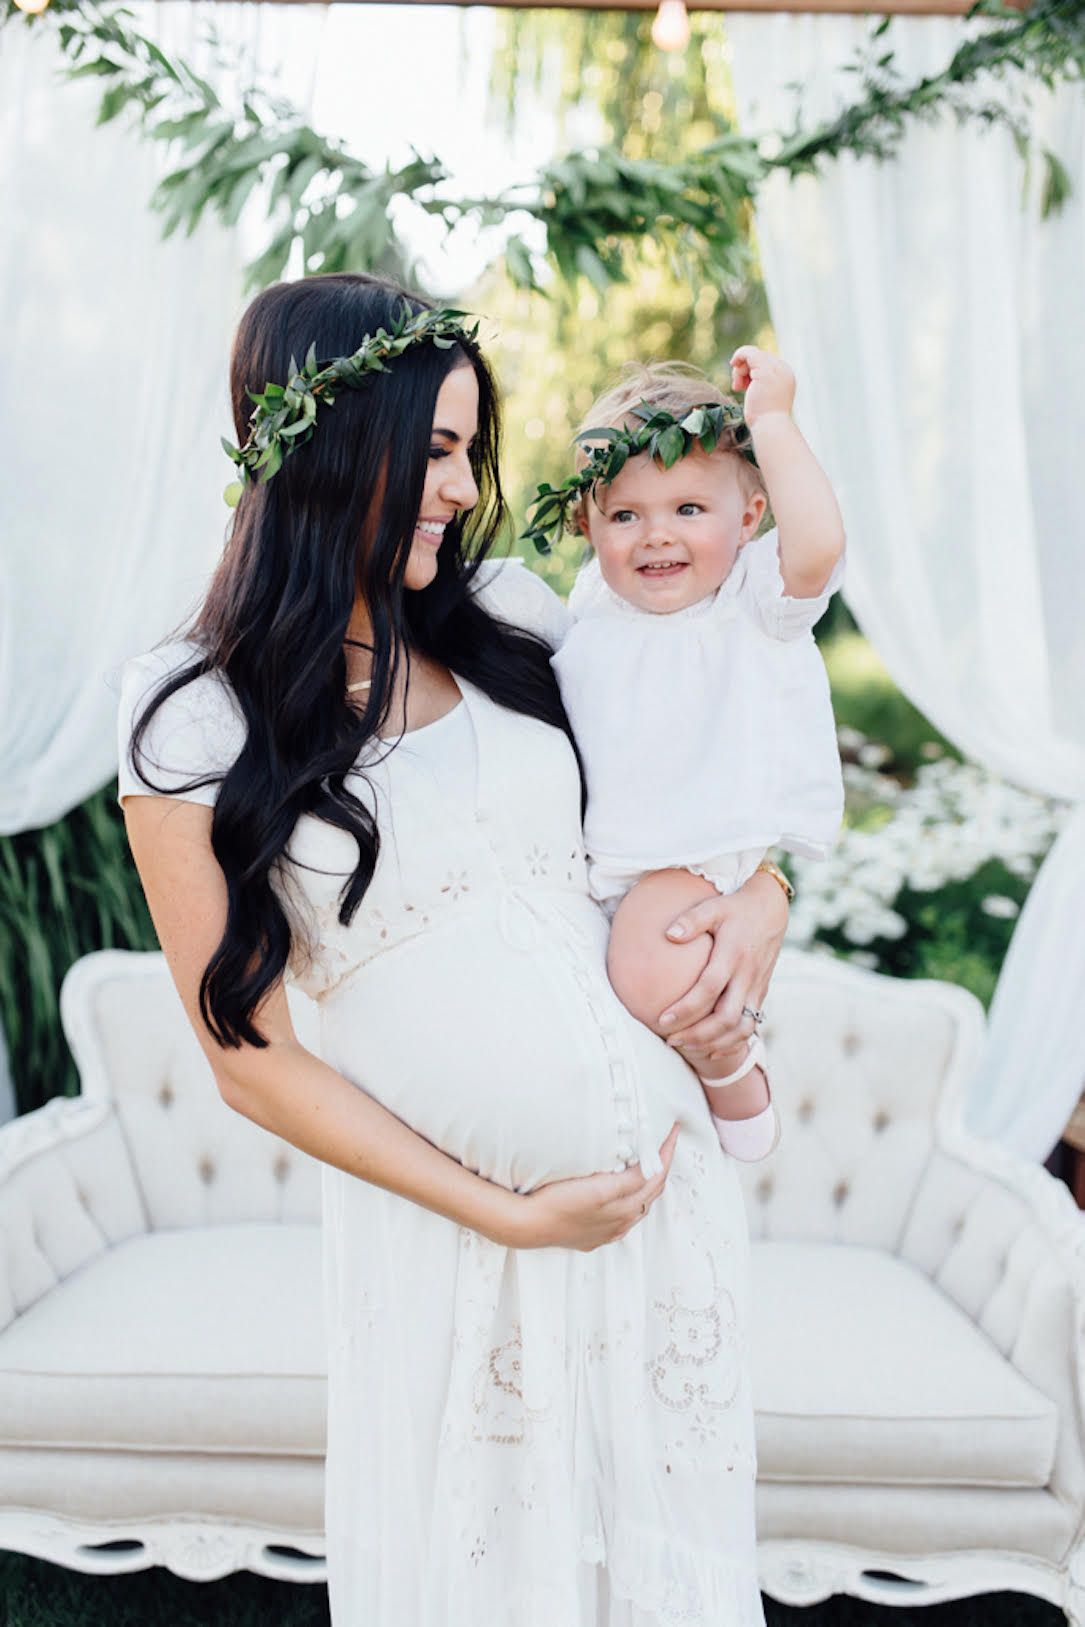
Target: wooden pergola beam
895, 8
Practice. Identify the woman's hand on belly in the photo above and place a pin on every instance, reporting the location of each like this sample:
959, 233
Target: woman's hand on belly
588, 1210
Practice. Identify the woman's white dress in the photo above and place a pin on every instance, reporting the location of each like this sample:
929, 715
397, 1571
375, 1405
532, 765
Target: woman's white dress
516, 1438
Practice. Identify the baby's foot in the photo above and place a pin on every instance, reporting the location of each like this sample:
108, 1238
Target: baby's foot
741, 1102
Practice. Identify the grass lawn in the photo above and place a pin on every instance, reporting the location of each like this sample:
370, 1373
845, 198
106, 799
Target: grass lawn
33, 1594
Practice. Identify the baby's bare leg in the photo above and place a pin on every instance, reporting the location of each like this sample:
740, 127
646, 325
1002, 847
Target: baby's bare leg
648, 973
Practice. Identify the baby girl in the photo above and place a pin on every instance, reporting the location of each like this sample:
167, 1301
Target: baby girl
690, 674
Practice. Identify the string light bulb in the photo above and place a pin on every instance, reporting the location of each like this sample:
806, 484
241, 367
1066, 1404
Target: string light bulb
670, 27
33, 7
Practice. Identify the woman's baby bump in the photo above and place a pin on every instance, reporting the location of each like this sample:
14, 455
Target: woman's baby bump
511, 1054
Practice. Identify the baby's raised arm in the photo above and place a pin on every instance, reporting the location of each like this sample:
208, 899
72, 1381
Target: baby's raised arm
808, 520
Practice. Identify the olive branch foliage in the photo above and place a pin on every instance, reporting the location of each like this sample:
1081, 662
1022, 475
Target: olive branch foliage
594, 208
662, 434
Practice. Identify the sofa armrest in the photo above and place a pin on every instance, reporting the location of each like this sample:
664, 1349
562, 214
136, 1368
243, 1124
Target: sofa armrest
1006, 1242
67, 1193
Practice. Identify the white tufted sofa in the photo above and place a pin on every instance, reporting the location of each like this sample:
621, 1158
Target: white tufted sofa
917, 1339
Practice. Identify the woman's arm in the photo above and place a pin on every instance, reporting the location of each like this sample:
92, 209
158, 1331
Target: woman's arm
288, 1090
748, 927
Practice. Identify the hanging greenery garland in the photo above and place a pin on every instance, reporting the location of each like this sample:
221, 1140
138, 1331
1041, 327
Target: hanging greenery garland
595, 208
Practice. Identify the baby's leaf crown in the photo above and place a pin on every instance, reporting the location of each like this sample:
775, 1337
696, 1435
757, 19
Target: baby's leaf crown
664, 435
285, 414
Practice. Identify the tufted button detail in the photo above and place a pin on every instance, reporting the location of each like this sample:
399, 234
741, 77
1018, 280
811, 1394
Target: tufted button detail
880, 1121
850, 1043
165, 1095
841, 1193
764, 1188
281, 1167
207, 1170
957, 1227
81, 1196
805, 1110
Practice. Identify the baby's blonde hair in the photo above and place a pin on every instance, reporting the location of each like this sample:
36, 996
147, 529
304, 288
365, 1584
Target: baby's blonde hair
675, 387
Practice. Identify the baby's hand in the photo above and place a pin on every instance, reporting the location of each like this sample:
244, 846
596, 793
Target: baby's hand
767, 380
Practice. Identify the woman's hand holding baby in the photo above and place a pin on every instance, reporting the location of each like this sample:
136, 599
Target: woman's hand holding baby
747, 929
767, 380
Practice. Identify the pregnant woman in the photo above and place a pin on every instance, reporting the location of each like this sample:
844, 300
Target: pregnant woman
355, 774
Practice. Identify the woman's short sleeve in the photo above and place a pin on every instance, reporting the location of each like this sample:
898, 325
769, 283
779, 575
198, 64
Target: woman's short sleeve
512, 592
198, 731
780, 615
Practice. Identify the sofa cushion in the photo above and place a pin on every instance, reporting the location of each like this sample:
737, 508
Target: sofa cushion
864, 1372
208, 1340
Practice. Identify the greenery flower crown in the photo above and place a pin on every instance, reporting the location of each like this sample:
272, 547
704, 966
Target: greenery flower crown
660, 433
285, 414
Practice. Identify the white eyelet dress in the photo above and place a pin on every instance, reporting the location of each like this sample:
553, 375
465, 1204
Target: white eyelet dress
516, 1438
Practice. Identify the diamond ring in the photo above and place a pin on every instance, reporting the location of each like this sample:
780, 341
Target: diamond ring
752, 1011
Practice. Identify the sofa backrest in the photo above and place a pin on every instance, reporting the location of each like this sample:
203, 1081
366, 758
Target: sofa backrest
196, 1161
862, 1068
67, 1193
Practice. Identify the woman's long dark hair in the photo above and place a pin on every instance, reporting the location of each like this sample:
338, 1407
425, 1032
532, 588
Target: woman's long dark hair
336, 521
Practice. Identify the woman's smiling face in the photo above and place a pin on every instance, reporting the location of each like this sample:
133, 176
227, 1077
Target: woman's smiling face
666, 538
450, 482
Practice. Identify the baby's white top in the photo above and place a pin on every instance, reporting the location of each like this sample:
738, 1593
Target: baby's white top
706, 730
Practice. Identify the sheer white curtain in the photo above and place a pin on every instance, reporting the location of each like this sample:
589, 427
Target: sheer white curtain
112, 395
937, 329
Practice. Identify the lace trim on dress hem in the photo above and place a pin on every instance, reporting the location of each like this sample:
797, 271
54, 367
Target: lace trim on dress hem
682, 1586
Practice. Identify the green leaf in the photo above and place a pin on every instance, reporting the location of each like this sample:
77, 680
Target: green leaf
274, 464
99, 66
519, 263
112, 102
670, 445
158, 56
591, 266
300, 178
168, 129
1057, 185
601, 434
230, 212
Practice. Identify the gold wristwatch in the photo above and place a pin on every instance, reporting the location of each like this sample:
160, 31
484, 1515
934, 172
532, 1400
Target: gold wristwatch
777, 874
